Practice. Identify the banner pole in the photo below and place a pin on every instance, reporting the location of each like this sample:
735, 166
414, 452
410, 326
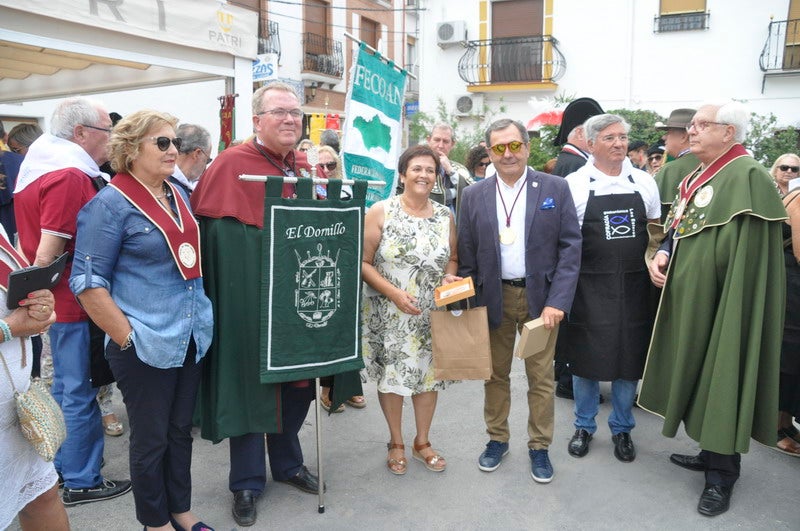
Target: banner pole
317, 180
320, 475
360, 42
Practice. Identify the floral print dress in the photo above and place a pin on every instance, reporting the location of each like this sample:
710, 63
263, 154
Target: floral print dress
412, 255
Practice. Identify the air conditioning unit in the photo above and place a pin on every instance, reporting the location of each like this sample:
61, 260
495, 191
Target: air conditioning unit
450, 33
469, 105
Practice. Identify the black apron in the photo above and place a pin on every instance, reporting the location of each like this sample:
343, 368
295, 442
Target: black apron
608, 330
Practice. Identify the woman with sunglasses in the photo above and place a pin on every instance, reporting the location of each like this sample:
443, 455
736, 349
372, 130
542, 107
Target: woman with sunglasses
786, 168
137, 274
477, 162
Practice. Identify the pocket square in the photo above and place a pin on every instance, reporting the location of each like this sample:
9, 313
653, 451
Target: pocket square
547, 204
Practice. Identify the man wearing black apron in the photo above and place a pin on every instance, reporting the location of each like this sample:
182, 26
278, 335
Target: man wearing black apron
608, 330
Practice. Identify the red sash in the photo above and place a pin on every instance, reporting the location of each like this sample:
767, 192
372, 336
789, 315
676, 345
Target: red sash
5, 269
567, 148
183, 235
687, 189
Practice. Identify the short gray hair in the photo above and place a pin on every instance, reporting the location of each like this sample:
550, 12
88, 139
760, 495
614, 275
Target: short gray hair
503, 123
72, 112
24, 134
193, 137
595, 124
734, 113
444, 127
258, 95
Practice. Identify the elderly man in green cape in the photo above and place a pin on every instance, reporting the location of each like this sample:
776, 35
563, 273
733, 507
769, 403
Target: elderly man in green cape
233, 403
714, 355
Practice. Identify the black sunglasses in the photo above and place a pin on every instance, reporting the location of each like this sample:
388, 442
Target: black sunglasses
163, 142
483, 164
793, 169
328, 165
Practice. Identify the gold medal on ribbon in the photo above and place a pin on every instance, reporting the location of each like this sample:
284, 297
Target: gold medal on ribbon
507, 236
679, 210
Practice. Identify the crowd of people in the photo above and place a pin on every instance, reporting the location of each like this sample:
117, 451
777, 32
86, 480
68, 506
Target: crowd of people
654, 266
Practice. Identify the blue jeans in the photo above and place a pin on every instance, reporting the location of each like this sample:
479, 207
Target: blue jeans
587, 403
79, 458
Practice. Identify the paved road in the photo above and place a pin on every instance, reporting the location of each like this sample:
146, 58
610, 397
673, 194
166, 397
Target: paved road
595, 492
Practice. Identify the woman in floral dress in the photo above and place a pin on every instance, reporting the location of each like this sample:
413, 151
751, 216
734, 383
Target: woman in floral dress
409, 249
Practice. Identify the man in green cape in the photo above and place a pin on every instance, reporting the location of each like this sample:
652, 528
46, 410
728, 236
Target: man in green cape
233, 403
714, 355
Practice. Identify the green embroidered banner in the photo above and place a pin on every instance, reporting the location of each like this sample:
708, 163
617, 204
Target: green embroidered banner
311, 283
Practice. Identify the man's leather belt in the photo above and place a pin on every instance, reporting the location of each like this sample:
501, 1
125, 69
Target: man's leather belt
516, 282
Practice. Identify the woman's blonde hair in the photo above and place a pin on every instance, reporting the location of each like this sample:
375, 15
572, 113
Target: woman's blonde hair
337, 173
127, 135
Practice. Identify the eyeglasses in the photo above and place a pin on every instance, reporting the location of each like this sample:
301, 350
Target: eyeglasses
702, 125
104, 129
513, 147
652, 158
203, 151
330, 166
793, 169
163, 142
280, 114
483, 164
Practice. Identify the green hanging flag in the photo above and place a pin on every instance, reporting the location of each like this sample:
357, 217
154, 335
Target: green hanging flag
311, 283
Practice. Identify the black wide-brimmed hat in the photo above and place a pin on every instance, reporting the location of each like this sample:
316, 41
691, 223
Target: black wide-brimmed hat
577, 112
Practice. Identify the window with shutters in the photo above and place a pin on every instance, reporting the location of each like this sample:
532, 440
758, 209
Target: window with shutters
681, 15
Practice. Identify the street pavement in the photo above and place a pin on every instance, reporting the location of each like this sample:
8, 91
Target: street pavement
594, 492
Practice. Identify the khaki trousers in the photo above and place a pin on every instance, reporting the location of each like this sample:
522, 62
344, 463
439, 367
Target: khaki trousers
538, 368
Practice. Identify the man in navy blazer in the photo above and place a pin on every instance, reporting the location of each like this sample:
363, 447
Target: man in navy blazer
519, 240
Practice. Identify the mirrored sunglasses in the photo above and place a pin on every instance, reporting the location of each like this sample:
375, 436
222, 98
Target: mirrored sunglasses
513, 147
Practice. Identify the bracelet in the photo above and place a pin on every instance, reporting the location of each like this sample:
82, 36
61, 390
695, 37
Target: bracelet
6, 330
128, 341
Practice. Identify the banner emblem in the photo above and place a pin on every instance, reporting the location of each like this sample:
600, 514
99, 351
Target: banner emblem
317, 295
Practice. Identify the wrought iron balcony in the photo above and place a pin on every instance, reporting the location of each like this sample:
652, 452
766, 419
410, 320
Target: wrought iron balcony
533, 59
322, 55
781, 53
782, 49
271, 42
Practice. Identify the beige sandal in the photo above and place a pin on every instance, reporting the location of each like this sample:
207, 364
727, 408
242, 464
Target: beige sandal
434, 463
396, 466
112, 426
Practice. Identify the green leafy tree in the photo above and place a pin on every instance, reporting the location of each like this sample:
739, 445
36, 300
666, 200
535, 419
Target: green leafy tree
642, 124
469, 130
766, 141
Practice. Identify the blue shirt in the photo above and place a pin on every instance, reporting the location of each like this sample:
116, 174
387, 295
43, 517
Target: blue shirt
119, 249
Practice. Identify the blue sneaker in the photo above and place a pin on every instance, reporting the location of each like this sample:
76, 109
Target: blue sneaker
541, 468
491, 457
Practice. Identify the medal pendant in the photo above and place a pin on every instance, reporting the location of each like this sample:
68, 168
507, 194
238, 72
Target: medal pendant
680, 209
507, 236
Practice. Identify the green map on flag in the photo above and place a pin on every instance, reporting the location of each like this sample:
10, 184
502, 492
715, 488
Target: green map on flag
372, 129
311, 285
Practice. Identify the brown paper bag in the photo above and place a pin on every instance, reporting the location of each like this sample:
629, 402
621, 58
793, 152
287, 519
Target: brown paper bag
461, 344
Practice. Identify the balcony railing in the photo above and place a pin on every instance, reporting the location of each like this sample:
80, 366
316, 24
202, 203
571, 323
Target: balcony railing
781, 53
271, 42
322, 55
535, 59
413, 84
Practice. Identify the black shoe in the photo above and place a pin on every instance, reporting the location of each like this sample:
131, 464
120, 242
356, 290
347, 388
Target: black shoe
305, 481
244, 507
690, 462
105, 491
715, 500
579, 444
61, 478
565, 391
623, 447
